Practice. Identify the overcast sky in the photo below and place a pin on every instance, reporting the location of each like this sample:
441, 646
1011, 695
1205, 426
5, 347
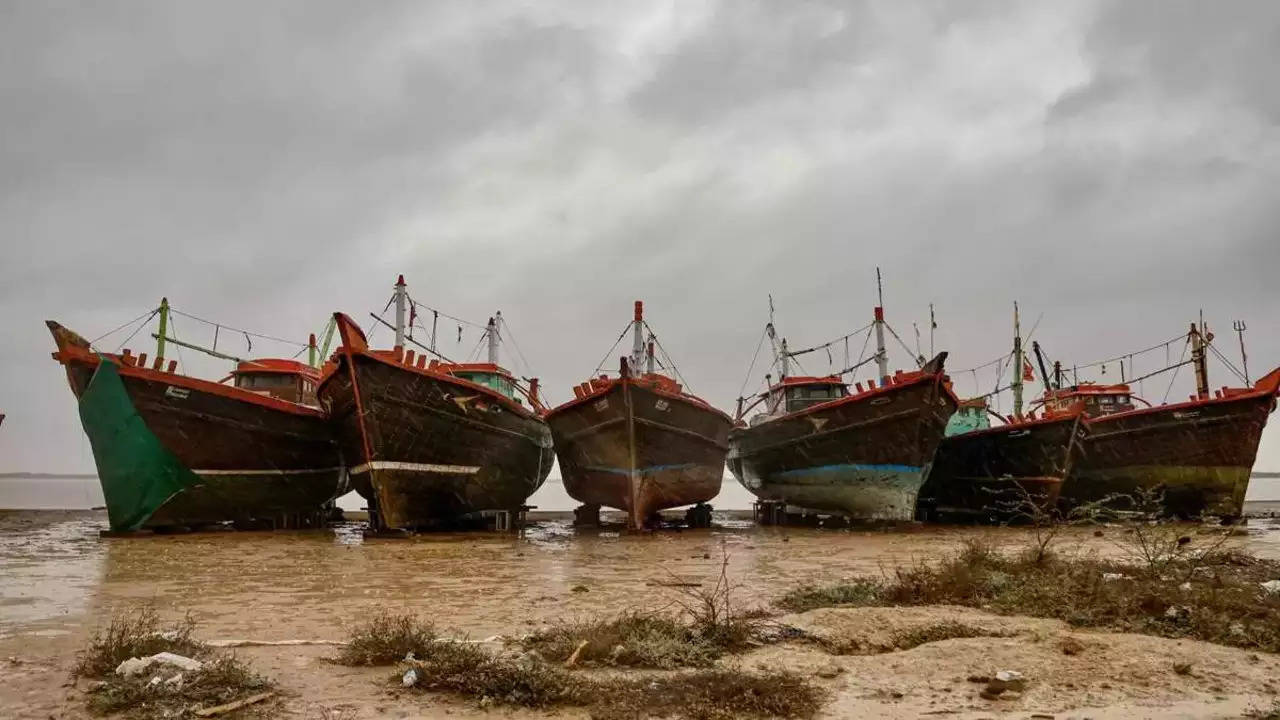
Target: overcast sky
1112, 166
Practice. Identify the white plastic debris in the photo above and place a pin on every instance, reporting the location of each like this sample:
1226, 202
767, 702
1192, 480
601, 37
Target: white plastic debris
1185, 586
137, 666
408, 657
1108, 577
1271, 586
410, 678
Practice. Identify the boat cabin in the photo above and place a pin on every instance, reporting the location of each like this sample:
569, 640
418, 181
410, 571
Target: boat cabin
802, 392
284, 379
1097, 399
487, 374
970, 415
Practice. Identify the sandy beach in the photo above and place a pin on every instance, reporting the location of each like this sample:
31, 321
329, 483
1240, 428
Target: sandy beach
63, 581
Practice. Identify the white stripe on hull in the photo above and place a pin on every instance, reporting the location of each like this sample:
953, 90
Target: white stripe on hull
416, 467
259, 471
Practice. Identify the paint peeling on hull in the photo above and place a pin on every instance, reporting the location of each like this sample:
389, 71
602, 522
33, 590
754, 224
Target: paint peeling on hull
864, 457
434, 458
992, 473
679, 449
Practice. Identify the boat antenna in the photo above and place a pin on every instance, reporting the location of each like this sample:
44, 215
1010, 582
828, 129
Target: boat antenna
399, 299
882, 358
1239, 327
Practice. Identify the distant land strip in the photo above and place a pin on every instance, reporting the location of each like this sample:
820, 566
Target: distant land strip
78, 476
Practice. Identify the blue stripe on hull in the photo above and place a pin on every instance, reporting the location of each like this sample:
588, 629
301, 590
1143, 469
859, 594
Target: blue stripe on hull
846, 467
643, 471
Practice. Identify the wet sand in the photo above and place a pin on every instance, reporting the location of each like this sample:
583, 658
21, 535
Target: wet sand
60, 581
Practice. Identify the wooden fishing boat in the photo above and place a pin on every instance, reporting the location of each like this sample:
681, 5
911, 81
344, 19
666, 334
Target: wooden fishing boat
639, 442
173, 450
863, 454
1198, 454
431, 444
992, 473
1012, 470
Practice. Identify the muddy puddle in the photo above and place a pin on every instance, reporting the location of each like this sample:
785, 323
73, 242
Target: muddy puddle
60, 577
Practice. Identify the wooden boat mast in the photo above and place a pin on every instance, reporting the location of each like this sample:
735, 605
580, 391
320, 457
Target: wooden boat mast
401, 294
1199, 337
637, 339
1018, 364
164, 327
491, 332
882, 357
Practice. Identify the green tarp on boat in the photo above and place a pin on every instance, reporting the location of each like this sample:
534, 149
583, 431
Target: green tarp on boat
138, 474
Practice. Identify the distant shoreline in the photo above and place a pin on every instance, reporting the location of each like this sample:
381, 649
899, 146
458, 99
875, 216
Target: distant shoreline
31, 475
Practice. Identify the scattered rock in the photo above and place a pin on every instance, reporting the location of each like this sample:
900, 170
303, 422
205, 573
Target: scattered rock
1182, 668
581, 588
1005, 681
94, 686
829, 671
1071, 646
979, 678
1177, 612
137, 666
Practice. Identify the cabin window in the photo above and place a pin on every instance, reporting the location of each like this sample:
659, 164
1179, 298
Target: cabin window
807, 396
265, 381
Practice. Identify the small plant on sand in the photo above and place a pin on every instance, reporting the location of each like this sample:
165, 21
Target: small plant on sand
386, 639
711, 694
713, 613
848, 593
1047, 520
136, 633
1223, 603
1159, 546
631, 639
160, 690
708, 695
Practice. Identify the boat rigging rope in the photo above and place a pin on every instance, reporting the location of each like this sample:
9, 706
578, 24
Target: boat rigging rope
1227, 362
1178, 367
747, 379
670, 363
605, 359
833, 342
148, 315
175, 311
136, 330
506, 326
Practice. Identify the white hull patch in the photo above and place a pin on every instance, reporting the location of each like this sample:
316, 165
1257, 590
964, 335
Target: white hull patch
416, 467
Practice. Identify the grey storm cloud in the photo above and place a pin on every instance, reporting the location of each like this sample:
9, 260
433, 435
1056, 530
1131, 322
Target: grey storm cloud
1109, 165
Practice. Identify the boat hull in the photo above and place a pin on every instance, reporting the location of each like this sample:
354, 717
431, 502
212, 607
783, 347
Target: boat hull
169, 453
640, 451
1003, 472
428, 449
865, 456
1198, 454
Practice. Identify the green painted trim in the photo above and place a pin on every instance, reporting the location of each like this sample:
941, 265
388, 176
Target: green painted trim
138, 474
